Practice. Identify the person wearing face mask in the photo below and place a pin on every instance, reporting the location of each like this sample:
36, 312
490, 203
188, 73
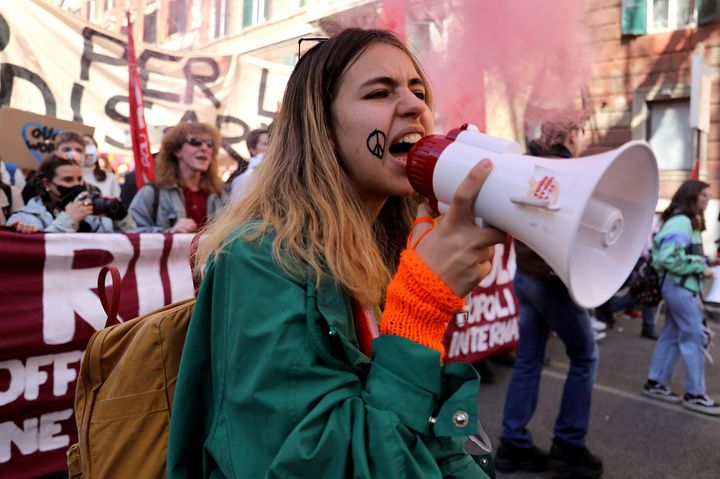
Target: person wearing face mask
63, 204
71, 146
188, 191
94, 175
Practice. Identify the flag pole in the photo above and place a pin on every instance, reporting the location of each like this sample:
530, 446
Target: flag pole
144, 167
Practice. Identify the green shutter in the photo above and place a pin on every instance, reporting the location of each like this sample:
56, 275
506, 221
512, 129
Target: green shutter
708, 11
247, 13
634, 17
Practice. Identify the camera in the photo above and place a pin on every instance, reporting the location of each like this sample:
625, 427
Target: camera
113, 208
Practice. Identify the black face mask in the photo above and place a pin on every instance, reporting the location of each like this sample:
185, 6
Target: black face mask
67, 194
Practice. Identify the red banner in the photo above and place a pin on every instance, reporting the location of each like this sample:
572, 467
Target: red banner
491, 325
49, 308
144, 167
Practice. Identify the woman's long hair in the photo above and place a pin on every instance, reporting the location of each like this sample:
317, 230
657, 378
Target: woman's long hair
167, 168
302, 192
685, 202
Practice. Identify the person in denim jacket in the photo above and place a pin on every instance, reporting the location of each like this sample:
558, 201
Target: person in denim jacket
188, 192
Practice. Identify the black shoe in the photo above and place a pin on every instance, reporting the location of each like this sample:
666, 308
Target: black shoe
659, 391
568, 460
509, 458
701, 403
649, 335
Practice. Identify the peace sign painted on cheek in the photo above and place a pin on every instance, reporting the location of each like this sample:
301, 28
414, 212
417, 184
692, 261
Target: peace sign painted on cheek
376, 143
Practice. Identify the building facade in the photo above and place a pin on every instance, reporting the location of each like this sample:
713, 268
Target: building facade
641, 83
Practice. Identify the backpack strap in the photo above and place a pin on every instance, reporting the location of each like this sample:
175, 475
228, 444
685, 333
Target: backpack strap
111, 308
156, 201
196, 278
11, 168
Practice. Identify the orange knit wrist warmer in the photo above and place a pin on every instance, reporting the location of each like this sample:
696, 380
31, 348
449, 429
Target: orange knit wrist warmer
418, 304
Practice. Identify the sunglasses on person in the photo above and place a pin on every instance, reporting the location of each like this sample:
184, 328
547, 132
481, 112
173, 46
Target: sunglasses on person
199, 142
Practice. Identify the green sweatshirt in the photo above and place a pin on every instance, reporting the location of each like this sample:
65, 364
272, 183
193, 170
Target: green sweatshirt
678, 253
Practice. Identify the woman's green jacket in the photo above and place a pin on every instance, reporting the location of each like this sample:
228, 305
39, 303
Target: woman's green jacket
272, 384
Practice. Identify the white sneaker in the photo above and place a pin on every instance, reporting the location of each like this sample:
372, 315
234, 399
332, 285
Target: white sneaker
599, 335
597, 325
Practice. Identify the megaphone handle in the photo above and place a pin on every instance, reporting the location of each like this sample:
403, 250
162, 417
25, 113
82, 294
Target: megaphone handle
443, 209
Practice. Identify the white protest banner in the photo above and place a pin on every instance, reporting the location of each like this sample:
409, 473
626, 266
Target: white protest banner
54, 64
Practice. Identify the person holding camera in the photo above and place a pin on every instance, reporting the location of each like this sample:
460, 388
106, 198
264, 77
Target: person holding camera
64, 205
188, 191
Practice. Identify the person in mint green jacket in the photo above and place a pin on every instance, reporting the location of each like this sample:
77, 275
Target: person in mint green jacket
285, 371
678, 257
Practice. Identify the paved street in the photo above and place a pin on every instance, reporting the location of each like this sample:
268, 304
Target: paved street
637, 437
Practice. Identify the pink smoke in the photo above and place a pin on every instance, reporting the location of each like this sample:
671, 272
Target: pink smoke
536, 54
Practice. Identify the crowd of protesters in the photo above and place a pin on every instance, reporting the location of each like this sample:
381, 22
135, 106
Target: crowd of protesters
71, 191
74, 189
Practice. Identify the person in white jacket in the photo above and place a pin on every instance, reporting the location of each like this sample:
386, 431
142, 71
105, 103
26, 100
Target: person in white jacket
94, 175
257, 144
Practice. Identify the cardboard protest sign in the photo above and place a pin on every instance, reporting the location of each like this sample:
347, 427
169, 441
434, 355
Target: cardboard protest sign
27, 138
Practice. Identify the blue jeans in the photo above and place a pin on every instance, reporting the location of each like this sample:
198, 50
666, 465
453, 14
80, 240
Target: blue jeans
648, 318
545, 306
682, 335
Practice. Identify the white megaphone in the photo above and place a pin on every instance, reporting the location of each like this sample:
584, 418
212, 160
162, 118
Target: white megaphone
588, 217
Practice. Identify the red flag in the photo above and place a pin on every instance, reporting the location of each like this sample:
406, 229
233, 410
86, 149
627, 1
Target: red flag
144, 167
694, 173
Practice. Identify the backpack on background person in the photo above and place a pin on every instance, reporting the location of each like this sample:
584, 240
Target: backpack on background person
645, 283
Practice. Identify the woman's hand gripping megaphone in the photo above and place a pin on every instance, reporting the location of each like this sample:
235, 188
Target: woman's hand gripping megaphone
456, 250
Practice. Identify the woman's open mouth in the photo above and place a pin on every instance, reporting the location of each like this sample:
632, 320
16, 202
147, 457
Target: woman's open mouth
399, 150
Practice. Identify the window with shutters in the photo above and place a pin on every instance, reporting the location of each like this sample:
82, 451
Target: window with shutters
177, 16
256, 12
666, 15
669, 133
219, 18
653, 16
661, 116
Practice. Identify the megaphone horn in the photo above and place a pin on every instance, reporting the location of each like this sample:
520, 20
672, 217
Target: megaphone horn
588, 217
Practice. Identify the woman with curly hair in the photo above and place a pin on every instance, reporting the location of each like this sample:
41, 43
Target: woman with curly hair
188, 191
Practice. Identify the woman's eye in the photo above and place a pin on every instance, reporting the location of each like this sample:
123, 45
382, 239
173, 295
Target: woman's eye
420, 95
378, 94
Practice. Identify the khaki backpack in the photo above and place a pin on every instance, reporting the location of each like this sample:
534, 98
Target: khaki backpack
125, 391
